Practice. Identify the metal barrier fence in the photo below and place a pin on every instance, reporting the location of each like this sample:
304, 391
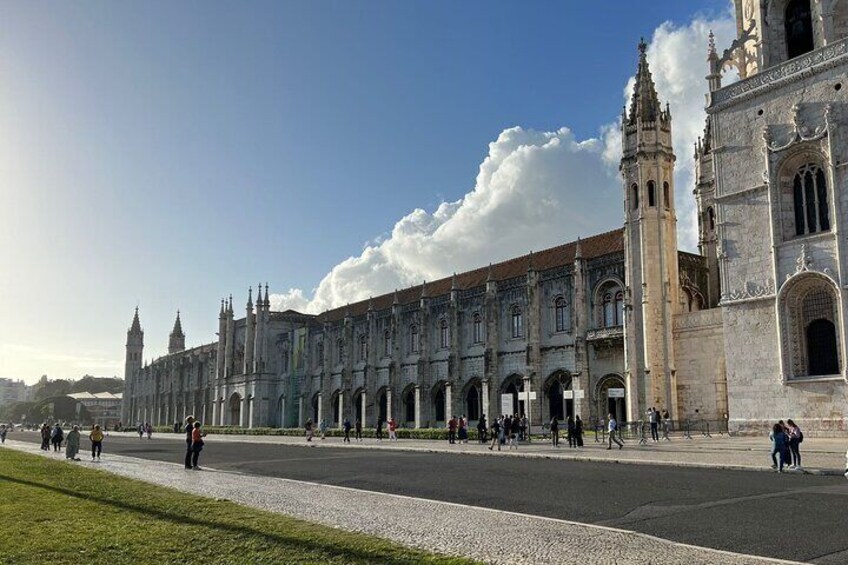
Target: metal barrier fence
640, 430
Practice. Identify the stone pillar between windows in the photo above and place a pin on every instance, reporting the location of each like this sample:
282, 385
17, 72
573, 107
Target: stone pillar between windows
417, 406
250, 412
243, 408
485, 406
388, 403
340, 415
363, 402
448, 401
300, 420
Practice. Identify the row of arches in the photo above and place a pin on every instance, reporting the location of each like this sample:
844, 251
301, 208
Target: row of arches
470, 403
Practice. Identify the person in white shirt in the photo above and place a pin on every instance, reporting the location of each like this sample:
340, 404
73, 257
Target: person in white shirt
612, 427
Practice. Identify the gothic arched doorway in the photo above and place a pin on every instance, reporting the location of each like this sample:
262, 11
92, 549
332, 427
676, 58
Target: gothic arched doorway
555, 402
612, 397
235, 409
383, 404
512, 386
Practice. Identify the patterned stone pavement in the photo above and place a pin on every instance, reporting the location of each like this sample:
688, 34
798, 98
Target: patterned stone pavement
489, 535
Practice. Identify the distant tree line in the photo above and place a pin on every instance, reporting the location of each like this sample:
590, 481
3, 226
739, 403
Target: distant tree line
48, 398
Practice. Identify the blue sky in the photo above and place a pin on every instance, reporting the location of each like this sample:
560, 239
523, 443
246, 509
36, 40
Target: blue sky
167, 154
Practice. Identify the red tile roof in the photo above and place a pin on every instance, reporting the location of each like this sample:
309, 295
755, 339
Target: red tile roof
561, 255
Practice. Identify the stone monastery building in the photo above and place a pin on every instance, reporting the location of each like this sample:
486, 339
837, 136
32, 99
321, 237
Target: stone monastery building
750, 330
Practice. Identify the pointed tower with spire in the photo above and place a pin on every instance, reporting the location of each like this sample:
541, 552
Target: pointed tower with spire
135, 347
176, 341
650, 230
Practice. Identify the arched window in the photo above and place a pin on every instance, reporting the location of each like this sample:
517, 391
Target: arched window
413, 338
476, 328
444, 334
472, 403
711, 218
619, 308
809, 196
666, 195
609, 310
363, 347
799, 28
560, 314
651, 194
517, 322
439, 404
634, 196
409, 404
387, 344
340, 351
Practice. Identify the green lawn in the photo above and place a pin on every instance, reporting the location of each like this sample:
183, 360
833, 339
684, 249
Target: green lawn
54, 512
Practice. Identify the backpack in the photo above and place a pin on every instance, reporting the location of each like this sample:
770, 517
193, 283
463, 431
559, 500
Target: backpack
800, 436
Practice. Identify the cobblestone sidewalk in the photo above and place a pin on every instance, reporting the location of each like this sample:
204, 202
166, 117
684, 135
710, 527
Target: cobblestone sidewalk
488, 535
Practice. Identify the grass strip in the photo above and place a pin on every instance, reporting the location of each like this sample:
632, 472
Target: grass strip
57, 512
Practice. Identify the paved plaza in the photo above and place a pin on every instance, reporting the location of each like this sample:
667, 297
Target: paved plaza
490, 535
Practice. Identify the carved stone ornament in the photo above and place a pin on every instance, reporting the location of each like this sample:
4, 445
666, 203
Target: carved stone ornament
751, 291
800, 131
804, 264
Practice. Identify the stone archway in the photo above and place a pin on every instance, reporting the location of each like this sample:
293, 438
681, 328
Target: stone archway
234, 406
512, 385
555, 403
608, 403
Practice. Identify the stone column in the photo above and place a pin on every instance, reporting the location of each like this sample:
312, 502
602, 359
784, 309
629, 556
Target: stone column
417, 406
363, 401
242, 423
320, 407
448, 401
485, 406
528, 404
341, 414
250, 414
388, 403
300, 419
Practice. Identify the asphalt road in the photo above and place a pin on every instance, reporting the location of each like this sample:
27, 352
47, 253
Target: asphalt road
788, 516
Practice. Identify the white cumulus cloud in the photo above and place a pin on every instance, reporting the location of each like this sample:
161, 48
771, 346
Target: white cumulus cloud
534, 189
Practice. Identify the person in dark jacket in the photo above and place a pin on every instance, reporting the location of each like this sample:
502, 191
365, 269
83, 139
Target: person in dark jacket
346, 427
482, 428
572, 432
578, 431
554, 432
189, 429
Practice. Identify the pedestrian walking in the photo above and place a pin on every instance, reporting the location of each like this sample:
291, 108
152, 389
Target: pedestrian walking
787, 454
176, 427
379, 433
392, 429
3, 433
554, 432
452, 430
322, 427
482, 429
796, 436
188, 429
140, 430
148, 428
612, 428
96, 437
57, 436
73, 444
778, 447
666, 418
578, 430
45, 437
514, 431
572, 433
497, 433
522, 429
358, 430
346, 427
463, 429
197, 444
308, 428
653, 419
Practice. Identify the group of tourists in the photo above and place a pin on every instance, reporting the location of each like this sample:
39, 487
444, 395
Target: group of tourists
654, 417
458, 429
146, 428
194, 443
346, 426
786, 439
309, 427
573, 431
55, 437
508, 430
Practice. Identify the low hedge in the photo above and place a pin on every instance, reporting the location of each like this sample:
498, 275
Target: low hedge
402, 433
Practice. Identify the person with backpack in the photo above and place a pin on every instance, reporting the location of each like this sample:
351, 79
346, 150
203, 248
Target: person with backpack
612, 428
346, 427
578, 431
57, 436
554, 432
796, 436
358, 430
497, 433
778, 447
481, 429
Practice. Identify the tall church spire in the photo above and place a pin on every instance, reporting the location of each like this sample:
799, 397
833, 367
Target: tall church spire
644, 104
176, 342
135, 328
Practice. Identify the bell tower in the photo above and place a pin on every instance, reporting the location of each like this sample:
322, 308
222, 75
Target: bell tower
132, 364
650, 231
176, 341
